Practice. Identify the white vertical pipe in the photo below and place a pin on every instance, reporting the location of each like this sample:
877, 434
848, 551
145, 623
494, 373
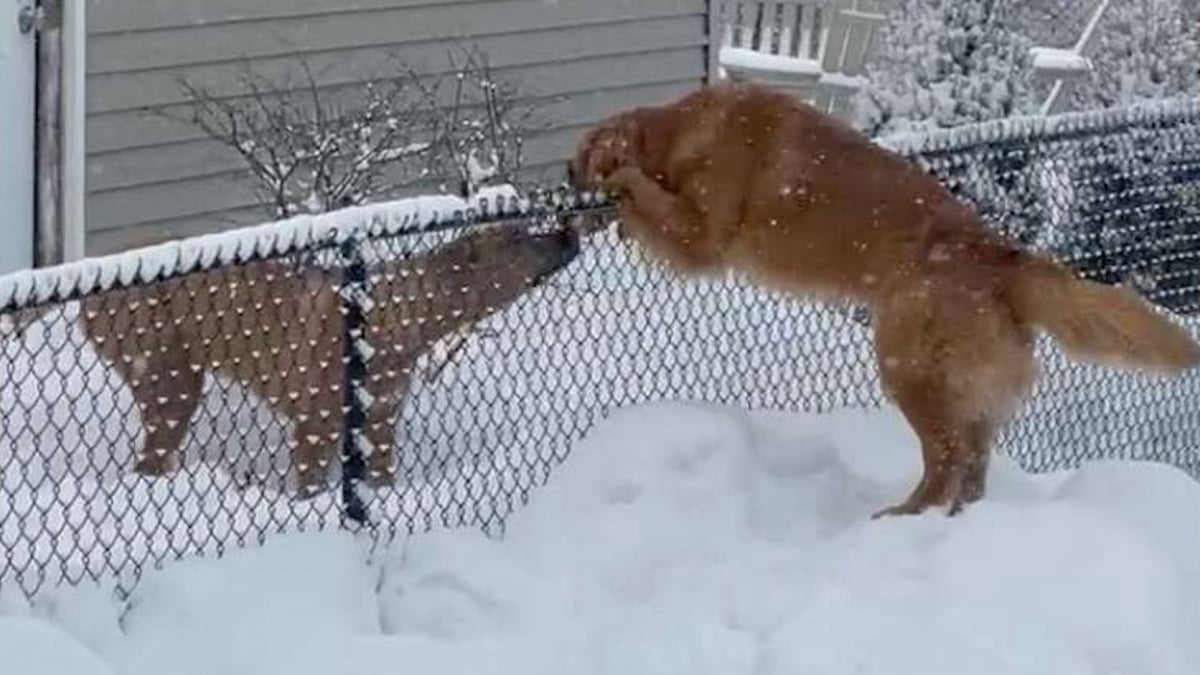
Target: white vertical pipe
74, 110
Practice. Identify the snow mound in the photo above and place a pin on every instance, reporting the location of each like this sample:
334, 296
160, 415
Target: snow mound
697, 539
31, 646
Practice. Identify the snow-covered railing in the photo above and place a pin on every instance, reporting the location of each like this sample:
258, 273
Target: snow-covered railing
1047, 128
59, 283
816, 48
1067, 66
1057, 63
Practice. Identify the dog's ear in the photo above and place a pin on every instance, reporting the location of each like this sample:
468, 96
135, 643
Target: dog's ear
650, 132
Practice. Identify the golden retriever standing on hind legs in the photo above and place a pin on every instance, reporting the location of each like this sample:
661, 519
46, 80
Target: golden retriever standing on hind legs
739, 177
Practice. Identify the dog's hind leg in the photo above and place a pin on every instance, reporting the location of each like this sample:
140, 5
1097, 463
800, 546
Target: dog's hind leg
316, 437
380, 432
924, 406
167, 392
957, 365
978, 455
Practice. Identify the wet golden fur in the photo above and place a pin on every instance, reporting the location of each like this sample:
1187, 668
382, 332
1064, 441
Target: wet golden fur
740, 177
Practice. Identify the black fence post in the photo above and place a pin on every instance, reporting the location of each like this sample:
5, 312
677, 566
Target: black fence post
354, 373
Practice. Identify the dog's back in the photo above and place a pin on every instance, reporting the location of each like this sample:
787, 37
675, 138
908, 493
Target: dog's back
823, 210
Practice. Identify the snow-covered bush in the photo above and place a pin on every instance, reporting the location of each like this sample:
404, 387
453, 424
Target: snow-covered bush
311, 148
1050, 23
478, 137
1145, 49
1136, 213
944, 63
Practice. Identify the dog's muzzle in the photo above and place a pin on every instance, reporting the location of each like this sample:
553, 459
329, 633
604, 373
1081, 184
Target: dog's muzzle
556, 249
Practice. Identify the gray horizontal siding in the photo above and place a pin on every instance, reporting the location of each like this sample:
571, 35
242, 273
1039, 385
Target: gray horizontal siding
227, 189
150, 177
122, 16
348, 30
148, 166
200, 193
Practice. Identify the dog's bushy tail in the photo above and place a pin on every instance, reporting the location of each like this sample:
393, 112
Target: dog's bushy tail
1095, 322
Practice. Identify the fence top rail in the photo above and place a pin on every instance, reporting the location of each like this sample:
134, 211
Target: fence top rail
1045, 128
70, 281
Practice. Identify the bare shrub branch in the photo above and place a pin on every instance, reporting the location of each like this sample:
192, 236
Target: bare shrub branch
309, 151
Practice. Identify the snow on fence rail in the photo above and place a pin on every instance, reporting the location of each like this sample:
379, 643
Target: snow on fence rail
204, 394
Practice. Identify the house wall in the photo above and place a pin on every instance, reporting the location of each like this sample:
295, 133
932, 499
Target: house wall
149, 177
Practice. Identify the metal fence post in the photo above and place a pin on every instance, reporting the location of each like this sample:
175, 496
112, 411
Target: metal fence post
354, 372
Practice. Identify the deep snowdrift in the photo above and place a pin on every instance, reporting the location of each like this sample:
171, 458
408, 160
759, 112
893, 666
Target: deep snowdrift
690, 540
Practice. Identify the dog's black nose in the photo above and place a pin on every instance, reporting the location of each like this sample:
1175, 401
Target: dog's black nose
568, 240
556, 250
567, 245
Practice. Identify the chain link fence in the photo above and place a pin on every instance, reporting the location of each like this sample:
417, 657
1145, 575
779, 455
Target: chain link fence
412, 366
1113, 194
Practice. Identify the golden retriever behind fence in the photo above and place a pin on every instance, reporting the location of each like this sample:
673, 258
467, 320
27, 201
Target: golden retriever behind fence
275, 328
739, 177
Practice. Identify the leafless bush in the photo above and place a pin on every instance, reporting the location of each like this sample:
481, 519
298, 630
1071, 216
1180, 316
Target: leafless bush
308, 151
478, 137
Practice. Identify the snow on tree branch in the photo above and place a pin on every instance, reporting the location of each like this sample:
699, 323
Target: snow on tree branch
312, 148
479, 138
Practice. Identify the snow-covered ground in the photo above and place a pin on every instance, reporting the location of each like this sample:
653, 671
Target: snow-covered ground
609, 331
676, 537
690, 539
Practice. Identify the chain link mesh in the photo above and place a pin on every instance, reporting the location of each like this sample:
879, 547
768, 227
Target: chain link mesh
1115, 194
414, 378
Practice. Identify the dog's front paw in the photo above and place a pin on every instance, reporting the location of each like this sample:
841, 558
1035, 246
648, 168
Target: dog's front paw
623, 179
